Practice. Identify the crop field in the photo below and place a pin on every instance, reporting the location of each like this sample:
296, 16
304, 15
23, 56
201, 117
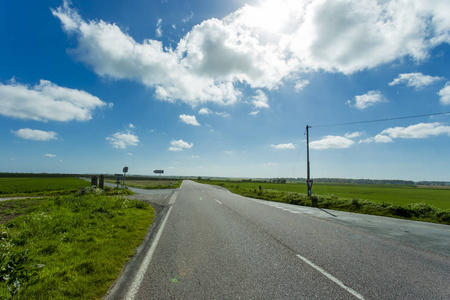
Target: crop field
389, 193
25, 185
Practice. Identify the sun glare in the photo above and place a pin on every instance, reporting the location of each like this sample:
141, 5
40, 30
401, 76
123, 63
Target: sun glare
270, 15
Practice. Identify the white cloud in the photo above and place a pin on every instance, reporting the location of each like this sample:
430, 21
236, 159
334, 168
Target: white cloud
445, 94
131, 126
331, 142
368, 99
205, 111
158, 28
130, 154
263, 45
46, 101
301, 84
50, 155
379, 138
417, 131
254, 113
179, 145
283, 146
191, 120
353, 134
122, 140
260, 100
35, 135
416, 80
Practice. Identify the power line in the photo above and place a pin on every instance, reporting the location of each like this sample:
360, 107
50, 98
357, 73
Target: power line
381, 120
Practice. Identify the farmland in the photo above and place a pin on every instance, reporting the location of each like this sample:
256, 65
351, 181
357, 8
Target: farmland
39, 185
391, 193
425, 204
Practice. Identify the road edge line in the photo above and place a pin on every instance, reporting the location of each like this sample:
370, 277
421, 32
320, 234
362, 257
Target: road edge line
134, 287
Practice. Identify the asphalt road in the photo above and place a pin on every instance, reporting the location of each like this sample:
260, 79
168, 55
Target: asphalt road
211, 244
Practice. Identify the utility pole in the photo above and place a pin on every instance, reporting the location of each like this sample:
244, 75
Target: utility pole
309, 182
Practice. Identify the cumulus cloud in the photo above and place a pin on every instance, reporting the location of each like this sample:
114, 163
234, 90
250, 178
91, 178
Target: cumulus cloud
260, 100
370, 98
417, 131
50, 155
46, 101
262, 45
191, 120
179, 145
331, 142
122, 140
283, 146
445, 94
416, 80
35, 135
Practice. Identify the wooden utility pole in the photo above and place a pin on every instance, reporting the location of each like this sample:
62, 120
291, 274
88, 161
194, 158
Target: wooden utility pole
309, 182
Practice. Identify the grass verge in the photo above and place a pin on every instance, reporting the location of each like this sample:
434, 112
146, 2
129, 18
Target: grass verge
69, 246
413, 211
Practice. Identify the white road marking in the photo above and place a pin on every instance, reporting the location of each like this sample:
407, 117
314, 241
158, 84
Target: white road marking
218, 201
173, 198
134, 287
331, 277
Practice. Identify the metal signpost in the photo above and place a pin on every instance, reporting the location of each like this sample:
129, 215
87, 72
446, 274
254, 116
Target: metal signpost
118, 179
125, 170
159, 172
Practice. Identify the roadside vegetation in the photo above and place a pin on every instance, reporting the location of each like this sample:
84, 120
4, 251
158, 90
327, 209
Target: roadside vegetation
154, 184
418, 206
69, 246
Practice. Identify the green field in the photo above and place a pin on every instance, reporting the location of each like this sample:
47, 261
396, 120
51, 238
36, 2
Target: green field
40, 185
391, 193
401, 201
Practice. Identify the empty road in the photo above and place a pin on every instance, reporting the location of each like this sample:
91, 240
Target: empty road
212, 244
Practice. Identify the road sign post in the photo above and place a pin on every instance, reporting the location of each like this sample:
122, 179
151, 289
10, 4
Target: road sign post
125, 170
159, 172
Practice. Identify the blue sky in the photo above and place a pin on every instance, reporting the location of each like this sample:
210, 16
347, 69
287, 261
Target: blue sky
226, 88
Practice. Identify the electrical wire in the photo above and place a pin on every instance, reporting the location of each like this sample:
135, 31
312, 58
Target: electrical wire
381, 120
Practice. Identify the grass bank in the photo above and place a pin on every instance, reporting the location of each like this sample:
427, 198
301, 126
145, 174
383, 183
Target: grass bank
68, 246
420, 211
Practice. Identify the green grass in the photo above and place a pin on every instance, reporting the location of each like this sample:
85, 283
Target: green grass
152, 184
425, 204
392, 193
40, 186
69, 246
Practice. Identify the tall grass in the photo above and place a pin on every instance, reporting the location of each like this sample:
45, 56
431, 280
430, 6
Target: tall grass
70, 246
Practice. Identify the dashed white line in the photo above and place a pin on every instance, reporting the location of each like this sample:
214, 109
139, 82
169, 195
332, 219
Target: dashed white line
218, 201
331, 277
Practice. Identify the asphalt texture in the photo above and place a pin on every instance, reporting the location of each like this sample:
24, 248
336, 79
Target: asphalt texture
211, 244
